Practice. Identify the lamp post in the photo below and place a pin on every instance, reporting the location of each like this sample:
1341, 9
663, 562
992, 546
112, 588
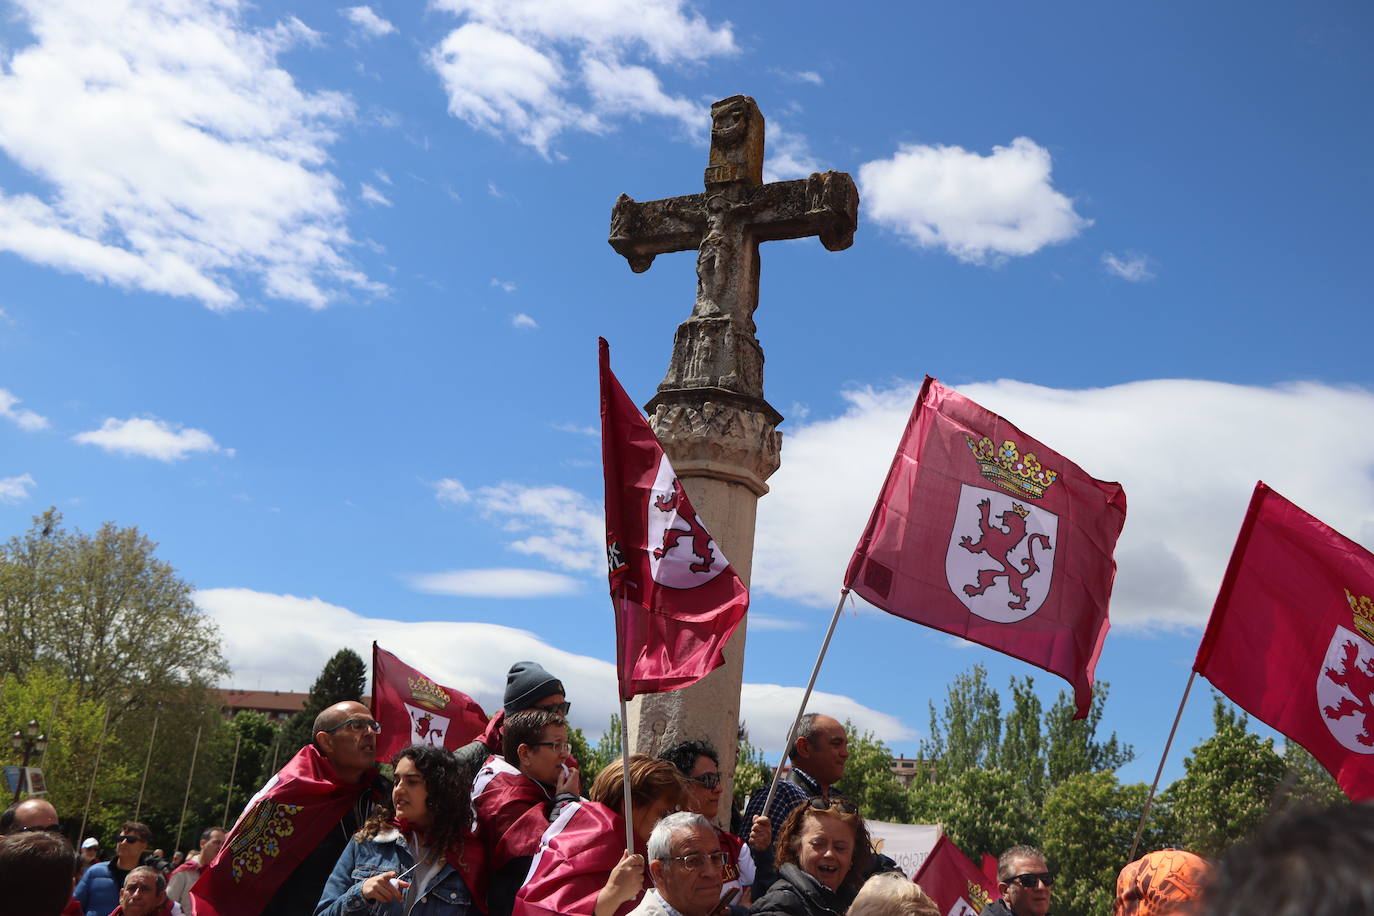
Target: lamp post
28, 742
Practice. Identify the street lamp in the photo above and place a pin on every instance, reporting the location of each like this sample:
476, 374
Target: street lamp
28, 742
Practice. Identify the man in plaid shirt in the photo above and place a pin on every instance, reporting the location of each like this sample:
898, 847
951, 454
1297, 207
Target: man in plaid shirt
818, 755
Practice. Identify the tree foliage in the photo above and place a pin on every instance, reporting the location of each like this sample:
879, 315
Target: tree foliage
751, 768
869, 781
981, 810
1089, 821
343, 677
1071, 745
967, 732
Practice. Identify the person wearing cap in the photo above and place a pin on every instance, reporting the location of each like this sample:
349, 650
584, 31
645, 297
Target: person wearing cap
528, 686
98, 890
1163, 882
90, 854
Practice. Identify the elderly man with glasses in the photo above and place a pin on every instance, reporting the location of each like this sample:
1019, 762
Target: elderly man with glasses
1024, 883
98, 890
685, 863
280, 852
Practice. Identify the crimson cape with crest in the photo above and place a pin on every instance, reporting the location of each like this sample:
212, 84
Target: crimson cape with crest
280, 826
575, 857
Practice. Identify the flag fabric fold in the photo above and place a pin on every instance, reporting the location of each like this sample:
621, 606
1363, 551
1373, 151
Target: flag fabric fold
986, 533
1291, 636
414, 709
958, 887
575, 858
677, 599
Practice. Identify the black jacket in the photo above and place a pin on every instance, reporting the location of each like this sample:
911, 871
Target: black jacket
996, 908
796, 893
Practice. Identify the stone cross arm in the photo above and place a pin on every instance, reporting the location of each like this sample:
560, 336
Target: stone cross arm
825, 204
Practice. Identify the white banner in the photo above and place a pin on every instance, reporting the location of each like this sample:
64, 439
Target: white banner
906, 844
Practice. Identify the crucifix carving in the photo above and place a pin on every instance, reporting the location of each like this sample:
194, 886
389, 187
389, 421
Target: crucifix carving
716, 347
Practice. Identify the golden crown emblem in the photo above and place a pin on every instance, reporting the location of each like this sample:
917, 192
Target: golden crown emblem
1019, 474
978, 897
1363, 609
428, 694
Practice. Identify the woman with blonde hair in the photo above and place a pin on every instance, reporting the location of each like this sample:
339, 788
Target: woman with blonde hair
582, 867
891, 893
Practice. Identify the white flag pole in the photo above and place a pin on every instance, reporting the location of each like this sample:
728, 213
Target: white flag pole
806, 698
624, 723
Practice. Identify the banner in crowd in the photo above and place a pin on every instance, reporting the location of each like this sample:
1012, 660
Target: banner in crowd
413, 709
677, 599
906, 844
958, 887
1291, 638
986, 533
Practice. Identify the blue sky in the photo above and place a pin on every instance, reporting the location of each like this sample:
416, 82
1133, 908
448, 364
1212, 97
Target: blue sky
310, 294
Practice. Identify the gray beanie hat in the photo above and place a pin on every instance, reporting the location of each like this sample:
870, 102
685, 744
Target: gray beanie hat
527, 684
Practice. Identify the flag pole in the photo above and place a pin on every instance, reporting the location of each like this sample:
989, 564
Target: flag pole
187, 797
806, 698
147, 762
90, 792
233, 770
624, 723
1149, 800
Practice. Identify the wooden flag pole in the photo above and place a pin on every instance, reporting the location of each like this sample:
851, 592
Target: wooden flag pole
233, 769
90, 792
147, 762
806, 698
187, 797
1149, 800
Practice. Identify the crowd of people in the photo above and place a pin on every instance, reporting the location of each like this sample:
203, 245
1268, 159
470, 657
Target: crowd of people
503, 827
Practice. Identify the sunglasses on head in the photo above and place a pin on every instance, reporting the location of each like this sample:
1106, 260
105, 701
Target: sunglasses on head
707, 780
46, 828
1033, 879
842, 805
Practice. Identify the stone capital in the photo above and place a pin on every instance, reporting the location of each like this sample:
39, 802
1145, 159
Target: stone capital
711, 432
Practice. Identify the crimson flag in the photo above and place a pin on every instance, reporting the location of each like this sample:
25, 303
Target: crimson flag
576, 855
958, 887
986, 533
677, 599
413, 709
1291, 638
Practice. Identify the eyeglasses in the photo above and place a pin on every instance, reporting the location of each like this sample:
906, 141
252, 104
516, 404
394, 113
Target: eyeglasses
357, 726
707, 780
561, 747
46, 828
842, 805
560, 708
1033, 879
127, 838
696, 860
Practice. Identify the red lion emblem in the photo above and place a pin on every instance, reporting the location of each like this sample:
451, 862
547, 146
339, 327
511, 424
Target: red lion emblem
701, 540
998, 543
422, 729
1359, 681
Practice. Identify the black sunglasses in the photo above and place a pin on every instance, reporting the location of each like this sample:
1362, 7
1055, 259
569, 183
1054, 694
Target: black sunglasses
842, 805
1033, 879
46, 828
127, 838
707, 780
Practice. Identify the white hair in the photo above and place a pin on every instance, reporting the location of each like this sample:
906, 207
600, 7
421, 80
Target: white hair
661, 840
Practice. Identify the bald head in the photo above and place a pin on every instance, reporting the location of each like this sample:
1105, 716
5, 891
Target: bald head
333, 716
344, 736
32, 813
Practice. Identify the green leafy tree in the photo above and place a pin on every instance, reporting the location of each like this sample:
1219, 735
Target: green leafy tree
607, 749
751, 768
1071, 745
966, 733
1306, 782
1089, 822
980, 810
1228, 788
869, 781
342, 678
253, 735
1022, 751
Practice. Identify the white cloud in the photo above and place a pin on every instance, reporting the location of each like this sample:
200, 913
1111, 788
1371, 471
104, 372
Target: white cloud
506, 286
382, 176
16, 489
760, 622
495, 583
1187, 452
789, 155
471, 657
978, 208
532, 69
150, 438
1130, 266
524, 322
576, 429
799, 76
26, 419
185, 162
367, 21
558, 524
373, 196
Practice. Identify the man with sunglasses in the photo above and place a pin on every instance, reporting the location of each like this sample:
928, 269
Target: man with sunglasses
98, 890
528, 686
1024, 882
685, 862
282, 849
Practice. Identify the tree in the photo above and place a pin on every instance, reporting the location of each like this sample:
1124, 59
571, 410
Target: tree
751, 768
342, 678
980, 810
1306, 782
869, 781
607, 749
966, 734
1022, 751
1089, 823
1071, 745
106, 614
1228, 786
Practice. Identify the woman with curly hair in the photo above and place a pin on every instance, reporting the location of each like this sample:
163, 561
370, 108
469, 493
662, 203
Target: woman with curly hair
823, 856
407, 861
582, 867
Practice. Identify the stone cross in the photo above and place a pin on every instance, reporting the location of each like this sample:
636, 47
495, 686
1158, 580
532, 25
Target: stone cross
709, 412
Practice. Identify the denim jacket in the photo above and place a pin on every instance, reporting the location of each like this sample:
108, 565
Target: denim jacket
446, 895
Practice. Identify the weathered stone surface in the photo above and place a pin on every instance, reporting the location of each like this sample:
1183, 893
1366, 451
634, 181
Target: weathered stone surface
709, 412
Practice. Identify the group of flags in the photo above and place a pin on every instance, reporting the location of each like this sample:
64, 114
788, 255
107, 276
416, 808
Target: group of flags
986, 533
